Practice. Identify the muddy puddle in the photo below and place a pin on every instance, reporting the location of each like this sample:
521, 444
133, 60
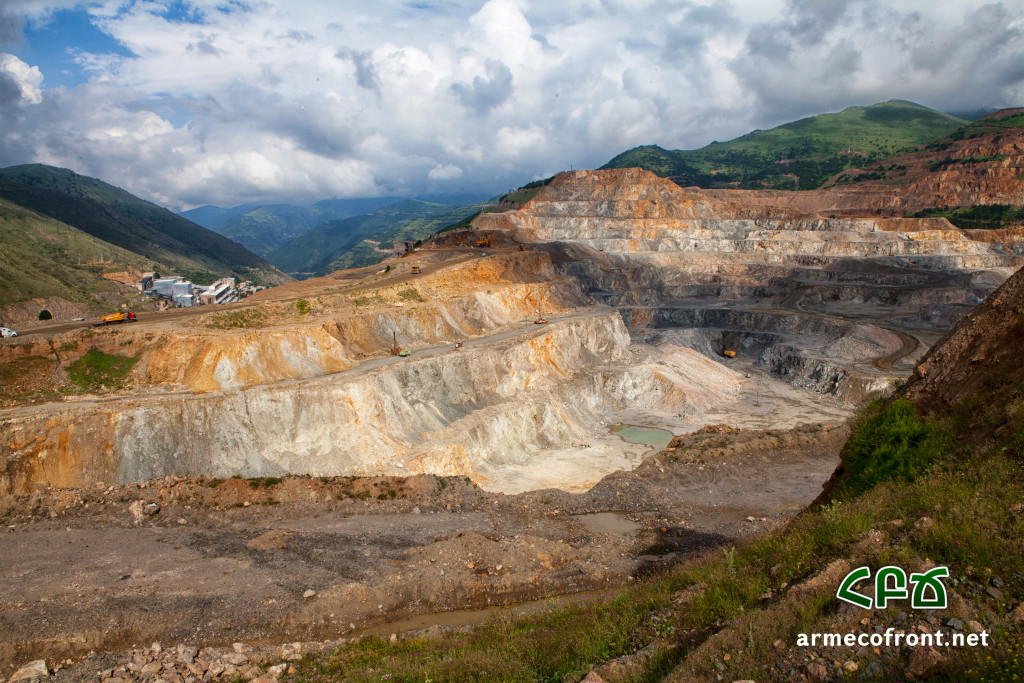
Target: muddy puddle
608, 523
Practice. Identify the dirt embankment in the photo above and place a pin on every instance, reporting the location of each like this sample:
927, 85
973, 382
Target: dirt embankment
982, 353
214, 562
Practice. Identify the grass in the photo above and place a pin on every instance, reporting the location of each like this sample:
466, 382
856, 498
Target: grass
410, 294
96, 370
553, 645
891, 443
265, 482
951, 161
520, 196
45, 258
899, 466
245, 318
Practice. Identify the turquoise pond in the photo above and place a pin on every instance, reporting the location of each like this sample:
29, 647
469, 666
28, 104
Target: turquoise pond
657, 439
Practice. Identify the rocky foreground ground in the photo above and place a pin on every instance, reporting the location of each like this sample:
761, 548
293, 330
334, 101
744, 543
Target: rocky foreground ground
223, 572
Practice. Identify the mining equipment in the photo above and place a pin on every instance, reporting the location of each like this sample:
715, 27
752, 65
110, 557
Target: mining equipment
540, 320
729, 354
397, 350
522, 247
484, 241
416, 270
116, 318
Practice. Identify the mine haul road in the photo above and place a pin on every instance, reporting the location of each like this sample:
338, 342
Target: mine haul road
349, 279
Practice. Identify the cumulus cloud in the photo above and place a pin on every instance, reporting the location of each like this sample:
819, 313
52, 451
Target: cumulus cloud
487, 92
827, 55
26, 80
272, 101
447, 172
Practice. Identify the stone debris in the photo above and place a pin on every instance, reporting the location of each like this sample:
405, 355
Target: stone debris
33, 671
262, 663
135, 508
923, 660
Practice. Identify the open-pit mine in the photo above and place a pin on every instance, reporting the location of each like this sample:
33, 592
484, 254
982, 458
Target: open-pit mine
613, 375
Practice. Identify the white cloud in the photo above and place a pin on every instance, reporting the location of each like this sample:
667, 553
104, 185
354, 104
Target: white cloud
447, 172
27, 78
275, 101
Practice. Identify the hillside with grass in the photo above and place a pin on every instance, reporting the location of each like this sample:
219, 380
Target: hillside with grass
931, 477
800, 155
41, 258
363, 240
118, 217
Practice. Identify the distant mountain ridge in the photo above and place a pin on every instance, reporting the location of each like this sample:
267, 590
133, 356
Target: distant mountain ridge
210, 216
800, 155
337, 244
124, 220
263, 228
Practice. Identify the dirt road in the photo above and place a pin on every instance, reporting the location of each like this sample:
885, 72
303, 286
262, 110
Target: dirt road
349, 279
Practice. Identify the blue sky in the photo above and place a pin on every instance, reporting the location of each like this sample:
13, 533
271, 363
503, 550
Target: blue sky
226, 102
52, 46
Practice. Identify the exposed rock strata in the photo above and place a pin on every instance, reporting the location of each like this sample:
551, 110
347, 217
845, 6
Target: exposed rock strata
451, 413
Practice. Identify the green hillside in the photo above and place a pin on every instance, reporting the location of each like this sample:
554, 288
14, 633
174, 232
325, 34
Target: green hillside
363, 253
800, 155
210, 216
265, 228
42, 258
340, 244
115, 216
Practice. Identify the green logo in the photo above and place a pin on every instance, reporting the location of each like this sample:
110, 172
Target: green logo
891, 584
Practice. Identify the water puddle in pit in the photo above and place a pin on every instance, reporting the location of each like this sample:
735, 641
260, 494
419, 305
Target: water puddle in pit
657, 439
608, 523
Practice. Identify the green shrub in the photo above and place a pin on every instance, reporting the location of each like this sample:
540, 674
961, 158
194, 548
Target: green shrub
890, 443
247, 317
410, 294
96, 369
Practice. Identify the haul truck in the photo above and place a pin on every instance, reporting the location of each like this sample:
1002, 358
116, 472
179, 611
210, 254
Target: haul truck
116, 318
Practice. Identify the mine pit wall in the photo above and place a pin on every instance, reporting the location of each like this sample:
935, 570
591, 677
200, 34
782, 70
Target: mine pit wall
498, 400
227, 360
823, 360
653, 279
205, 360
